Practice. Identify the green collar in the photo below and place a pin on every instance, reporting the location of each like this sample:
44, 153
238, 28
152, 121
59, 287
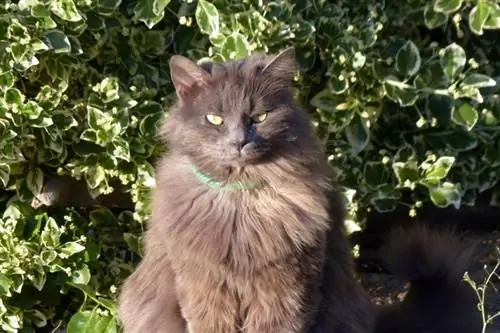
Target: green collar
229, 187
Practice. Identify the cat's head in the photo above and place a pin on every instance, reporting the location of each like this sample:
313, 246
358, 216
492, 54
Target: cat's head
234, 114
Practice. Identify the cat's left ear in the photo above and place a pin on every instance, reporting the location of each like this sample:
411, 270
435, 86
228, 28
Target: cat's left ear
187, 76
283, 65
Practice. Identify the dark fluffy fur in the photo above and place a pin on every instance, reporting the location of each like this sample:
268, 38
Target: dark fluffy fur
438, 301
268, 260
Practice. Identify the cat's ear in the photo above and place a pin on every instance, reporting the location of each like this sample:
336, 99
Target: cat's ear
283, 65
187, 76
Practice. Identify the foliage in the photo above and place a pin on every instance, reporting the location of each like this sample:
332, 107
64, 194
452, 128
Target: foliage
404, 98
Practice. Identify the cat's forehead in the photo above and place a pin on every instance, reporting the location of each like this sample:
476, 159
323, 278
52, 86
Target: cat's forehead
246, 68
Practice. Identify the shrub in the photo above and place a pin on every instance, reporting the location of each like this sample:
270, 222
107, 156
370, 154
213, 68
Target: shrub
404, 98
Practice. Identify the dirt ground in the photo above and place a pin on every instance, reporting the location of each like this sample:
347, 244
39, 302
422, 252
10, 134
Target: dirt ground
387, 289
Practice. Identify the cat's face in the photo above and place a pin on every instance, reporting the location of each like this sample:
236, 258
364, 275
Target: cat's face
234, 114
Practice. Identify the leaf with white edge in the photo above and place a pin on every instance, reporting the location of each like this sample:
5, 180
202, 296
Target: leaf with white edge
338, 84
50, 233
57, 41
14, 96
384, 205
38, 318
408, 59
477, 80
81, 276
32, 110
452, 59
445, 195
235, 46
433, 19
6, 81
4, 174
439, 169
5, 285
465, 115
478, 16
358, 134
34, 180
65, 9
406, 173
207, 18
70, 248
447, 6
493, 21
150, 12
401, 93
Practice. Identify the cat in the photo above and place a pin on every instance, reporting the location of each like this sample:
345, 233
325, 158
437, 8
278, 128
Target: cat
246, 233
438, 301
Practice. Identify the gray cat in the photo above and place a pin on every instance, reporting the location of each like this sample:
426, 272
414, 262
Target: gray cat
246, 233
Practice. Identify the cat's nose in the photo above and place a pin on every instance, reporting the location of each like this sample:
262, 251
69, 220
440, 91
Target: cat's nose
239, 143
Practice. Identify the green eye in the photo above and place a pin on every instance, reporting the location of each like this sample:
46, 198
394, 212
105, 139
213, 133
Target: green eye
214, 119
258, 118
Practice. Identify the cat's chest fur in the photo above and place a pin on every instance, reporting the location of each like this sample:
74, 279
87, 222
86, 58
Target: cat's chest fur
242, 230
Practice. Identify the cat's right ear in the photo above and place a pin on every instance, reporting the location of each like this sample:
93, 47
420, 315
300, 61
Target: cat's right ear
187, 77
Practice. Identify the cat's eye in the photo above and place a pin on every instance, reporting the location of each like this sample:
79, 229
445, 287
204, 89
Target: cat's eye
260, 117
214, 119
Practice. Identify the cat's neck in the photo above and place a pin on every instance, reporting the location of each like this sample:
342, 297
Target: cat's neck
226, 185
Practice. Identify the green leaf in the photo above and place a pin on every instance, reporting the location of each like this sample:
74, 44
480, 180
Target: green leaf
81, 276
338, 84
452, 59
408, 59
401, 93
38, 318
384, 205
6, 81
5, 285
32, 110
461, 141
375, 173
445, 195
120, 149
440, 168
41, 122
102, 216
478, 16
358, 134
65, 9
150, 12
149, 124
433, 19
447, 6
34, 180
235, 46
14, 96
57, 41
105, 324
4, 174
207, 18
133, 242
51, 233
493, 21
477, 80
325, 100
465, 115
407, 174
81, 322
70, 248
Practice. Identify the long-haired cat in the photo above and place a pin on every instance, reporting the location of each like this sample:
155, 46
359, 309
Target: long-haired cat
246, 233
